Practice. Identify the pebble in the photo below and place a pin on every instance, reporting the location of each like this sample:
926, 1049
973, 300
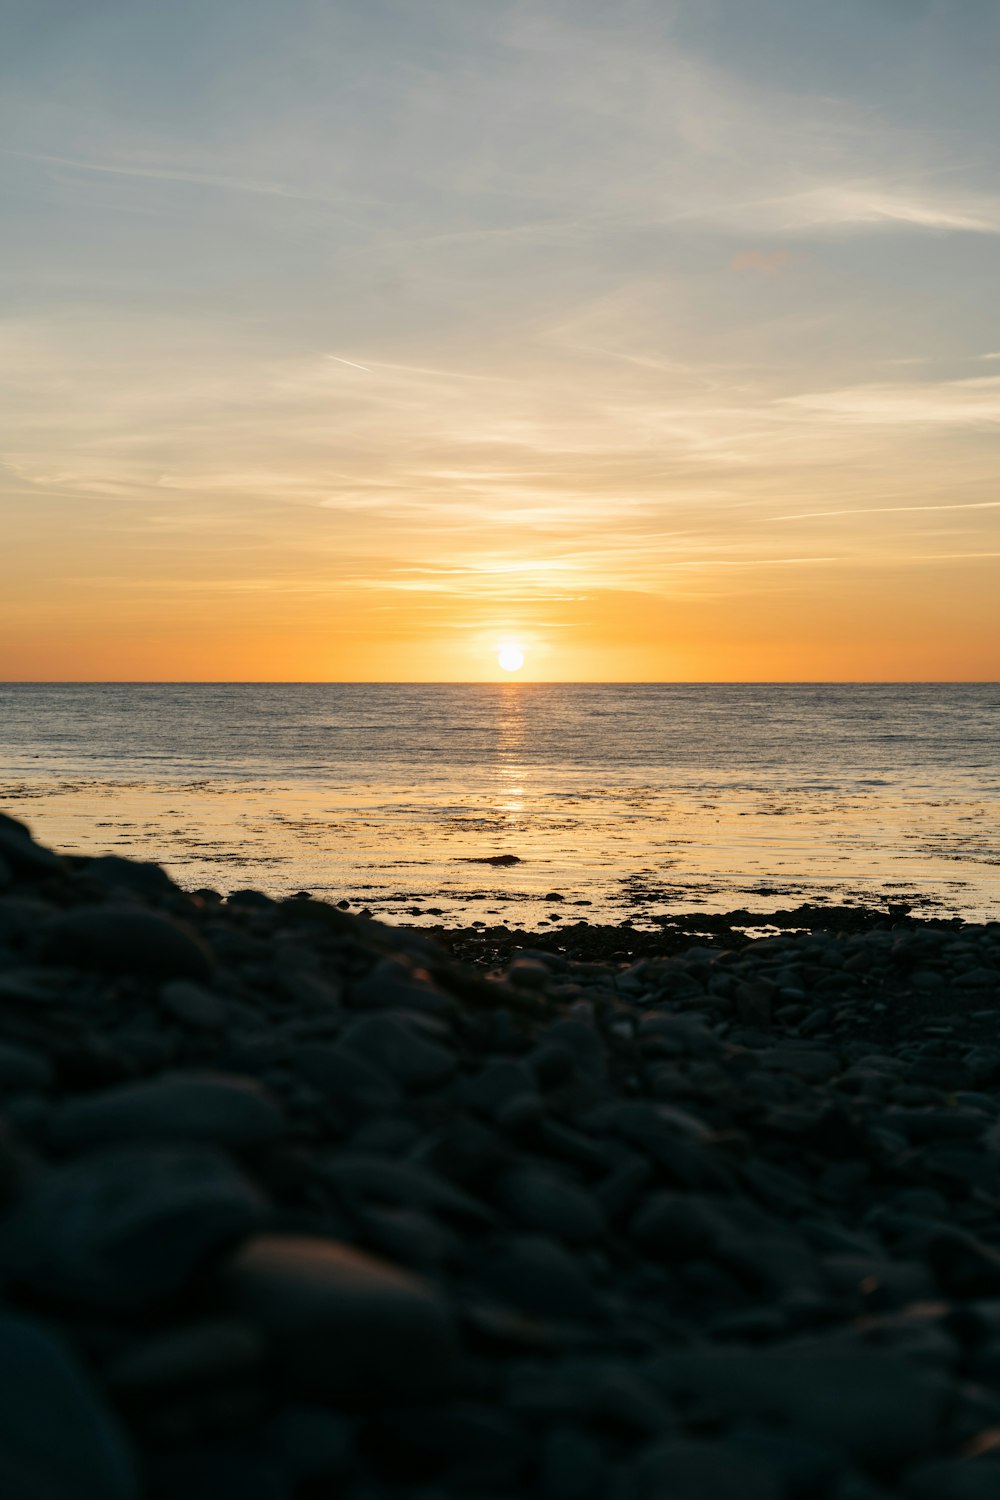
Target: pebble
344, 1325
120, 938
397, 1049
59, 1438
311, 1205
127, 1227
542, 1201
176, 1107
23, 1067
193, 1005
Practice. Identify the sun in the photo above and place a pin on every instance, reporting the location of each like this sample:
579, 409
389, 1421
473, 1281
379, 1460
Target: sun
510, 656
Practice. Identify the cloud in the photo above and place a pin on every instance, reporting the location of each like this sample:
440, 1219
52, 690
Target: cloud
958, 403
889, 510
857, 205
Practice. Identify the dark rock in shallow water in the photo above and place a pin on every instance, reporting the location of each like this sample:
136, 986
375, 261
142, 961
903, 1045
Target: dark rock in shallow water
344, 1326
58, 1439
126, 940
128, 1227
176, 1107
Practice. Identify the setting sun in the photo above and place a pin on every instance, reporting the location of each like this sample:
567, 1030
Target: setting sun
511, 657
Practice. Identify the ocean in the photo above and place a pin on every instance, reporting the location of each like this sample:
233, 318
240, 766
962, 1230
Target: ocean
623, 800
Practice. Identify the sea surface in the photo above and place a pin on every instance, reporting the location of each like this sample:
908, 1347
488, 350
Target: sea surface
625, 800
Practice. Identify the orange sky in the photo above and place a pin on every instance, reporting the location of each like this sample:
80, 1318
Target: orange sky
347, 346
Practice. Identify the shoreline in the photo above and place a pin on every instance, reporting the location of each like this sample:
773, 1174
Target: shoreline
295, 1198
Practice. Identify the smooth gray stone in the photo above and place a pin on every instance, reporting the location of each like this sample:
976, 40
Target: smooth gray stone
124, 1228
212, 1108
141, 876
803, 1468
14, 826
343, 1324
498, 1082
615, 1392
350, 1081
366, 1176
538, 1276
390, 986
412, 1061
314, 1443
572, 1466
955, 1479
126, 939
193, 1006
872, 1404
680, 1469
544, 1202
192, 1354
57, 1436
23, 1068
22, 855
481, 1447
815, 1066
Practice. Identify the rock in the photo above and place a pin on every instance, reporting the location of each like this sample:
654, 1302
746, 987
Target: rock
128, 1227
192, 1005
874, 1405
691, 1470
500, 1081
394, 1047
474, 1447
573, 1466
125, 939
193, 1355
344, 1326
815, 1065
365, 1176
352, 1084
585, 1045
538, 1276
23, 1067
23, 856
955, 1479
140, 876
541, 1201
213, 1108
314, 1443
58, 1439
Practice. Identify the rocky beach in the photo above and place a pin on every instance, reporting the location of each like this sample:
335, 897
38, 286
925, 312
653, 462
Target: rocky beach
296, 1204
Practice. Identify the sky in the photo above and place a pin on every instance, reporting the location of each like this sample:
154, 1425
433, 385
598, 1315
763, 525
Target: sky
350, 339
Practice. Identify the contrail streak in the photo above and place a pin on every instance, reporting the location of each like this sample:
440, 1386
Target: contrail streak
351, 363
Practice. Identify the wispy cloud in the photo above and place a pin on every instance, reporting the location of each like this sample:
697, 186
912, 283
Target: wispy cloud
889, 510
947, 403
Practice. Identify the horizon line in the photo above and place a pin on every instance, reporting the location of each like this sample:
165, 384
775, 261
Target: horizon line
500, 682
